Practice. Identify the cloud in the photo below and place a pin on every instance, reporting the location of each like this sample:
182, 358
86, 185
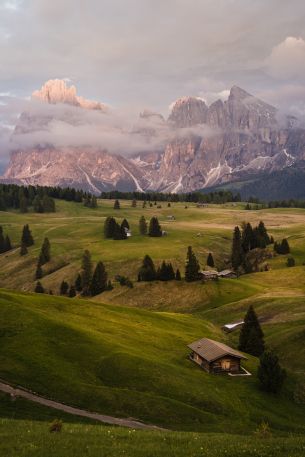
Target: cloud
287, 59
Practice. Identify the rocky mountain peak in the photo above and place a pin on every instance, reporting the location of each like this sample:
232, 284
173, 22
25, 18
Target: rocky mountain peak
57, 91
238, 93
188, 111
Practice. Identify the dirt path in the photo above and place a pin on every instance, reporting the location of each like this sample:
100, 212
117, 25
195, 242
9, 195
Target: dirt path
20, 392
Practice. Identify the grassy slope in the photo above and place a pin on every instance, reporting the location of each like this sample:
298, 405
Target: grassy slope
129, 362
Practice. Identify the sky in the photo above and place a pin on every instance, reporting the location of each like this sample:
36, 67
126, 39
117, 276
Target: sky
147, 53
144, 54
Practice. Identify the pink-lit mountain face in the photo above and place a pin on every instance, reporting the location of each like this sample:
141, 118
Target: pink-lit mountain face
197, 146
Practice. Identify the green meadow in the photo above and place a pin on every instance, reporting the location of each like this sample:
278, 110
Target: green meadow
124, 352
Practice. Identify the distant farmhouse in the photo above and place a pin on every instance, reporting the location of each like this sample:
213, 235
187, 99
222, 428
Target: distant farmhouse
211, 275
215, 357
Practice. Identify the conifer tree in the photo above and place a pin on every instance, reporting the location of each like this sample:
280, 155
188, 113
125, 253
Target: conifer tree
154, 227
45, 254
38, 272
119, 232
47, 204
2, 241
23, 204
64, 287
210, 260
285, 249
23, 249
78, 283
270, 374
142, 226
166, 272
134, 203
99, 280
7, 244
251, 337
147, 271
125, 224
72, 291
109, 227
116, 205
192, 266
178, 275
237, 251
86, 273
248, 238
27, 237
37, 205
94, 202
39, 289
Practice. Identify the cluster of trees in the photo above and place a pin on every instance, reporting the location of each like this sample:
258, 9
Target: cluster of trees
27, 240
165, 272
292, 203
5, 242
246, 240
91, 282
44, 257
251, 340
221, 196
282, 247
13, 196
90, 201
114, 230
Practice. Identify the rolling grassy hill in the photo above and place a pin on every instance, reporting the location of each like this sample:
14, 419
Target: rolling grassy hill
124, 352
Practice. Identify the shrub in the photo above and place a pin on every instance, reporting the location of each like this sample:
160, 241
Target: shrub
56, 426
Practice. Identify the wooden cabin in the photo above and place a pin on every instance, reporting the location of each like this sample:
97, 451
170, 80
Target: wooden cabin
208, 275
215, 357
227, 274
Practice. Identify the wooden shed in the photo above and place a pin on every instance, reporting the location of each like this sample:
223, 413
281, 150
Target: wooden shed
215, 357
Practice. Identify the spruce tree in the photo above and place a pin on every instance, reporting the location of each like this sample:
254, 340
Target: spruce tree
154, 227
94, 202
109, 227
27, 237
178, 275
251, 337
78, 283
7, 244
64, 287
210, 260
270, 373
72, 292
248, 238
45, 254
99, 280
134, 203
23, 204
285, 249
147, 271
237, 251
48, 204
2, 241
23, 249
86, 274
142, 226
38, 272
119, 232
192, 266
37, 205
39, 289
116, 205
125, 224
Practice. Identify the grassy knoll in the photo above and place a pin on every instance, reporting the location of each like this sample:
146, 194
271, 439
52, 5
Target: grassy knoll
130, 362
32, 439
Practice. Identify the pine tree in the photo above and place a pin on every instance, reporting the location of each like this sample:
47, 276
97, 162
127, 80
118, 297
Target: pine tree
248, 238
147, 271
109, 227
210, 260
94, 202
23, 249
125, 224
270, 373
154, 228
119, 232
86, 274
45, 254
178, 275
39, 289
142, 226
64, 287
23, 204
237, 251
72, 292
2, 241
116, 205
38, 272
7, 244
48, 204
166, 272
99, 280
37, 205
134, 203
251, 337
192, 266
78, 283
263, 235
27, 237
285, 249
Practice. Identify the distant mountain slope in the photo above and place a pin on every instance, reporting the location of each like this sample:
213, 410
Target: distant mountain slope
198, 146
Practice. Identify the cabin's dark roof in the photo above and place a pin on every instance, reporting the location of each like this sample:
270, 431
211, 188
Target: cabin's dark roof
212, 350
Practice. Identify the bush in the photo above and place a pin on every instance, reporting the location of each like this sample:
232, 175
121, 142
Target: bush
290, 262
124, 281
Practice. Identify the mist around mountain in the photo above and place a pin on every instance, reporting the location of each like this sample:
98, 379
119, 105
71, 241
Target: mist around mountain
62, 139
